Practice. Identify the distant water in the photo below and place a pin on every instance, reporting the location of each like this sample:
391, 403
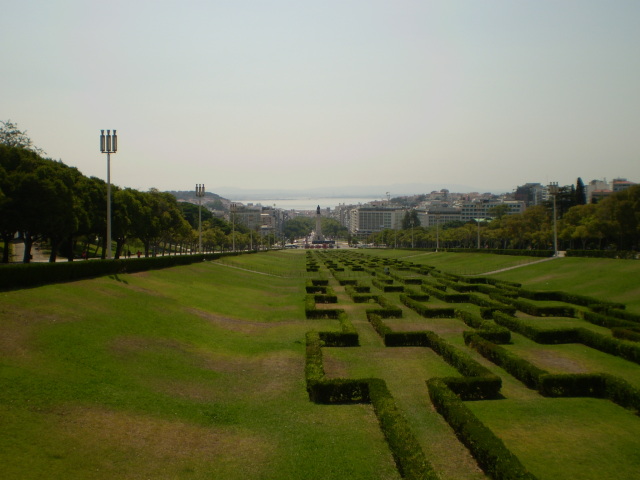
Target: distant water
310, 203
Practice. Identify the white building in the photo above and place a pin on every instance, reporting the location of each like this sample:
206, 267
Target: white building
482, 208
364, 221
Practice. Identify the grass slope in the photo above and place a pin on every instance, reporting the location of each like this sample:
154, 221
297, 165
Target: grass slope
190, 372
197, 372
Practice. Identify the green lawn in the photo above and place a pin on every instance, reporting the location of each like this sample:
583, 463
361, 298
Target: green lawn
189, 372
198, 372
607, 279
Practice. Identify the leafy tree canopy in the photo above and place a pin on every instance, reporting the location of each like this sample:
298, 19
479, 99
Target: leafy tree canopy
12, 136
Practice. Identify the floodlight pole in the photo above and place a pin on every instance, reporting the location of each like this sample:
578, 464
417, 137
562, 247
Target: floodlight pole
553, 191
233, 226
200, 194
108, 145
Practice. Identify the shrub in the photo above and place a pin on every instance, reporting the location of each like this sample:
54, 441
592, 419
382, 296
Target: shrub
537, 334
627, 350
36, 274
521, 369
605, 320
488, 450
425, 311
487, 330
407, 453
632, 335
618, 312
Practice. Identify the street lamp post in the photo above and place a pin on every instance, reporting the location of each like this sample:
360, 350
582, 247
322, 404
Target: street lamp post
108, 145
199, 194
553, 191
478, 222
412, 232
233, 226
437, 232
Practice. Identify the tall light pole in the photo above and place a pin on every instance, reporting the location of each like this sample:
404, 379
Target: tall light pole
437, 232
412, 221
478, 220
553, 191
233, 226
199, 194
108, 145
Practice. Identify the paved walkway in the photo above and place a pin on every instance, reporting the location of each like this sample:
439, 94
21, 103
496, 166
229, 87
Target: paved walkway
18, 253
547, 259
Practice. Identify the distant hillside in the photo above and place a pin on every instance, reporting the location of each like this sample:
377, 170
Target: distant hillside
213, 201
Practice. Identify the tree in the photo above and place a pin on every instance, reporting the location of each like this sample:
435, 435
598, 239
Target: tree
191, 213
499, 211
298, 227
581, 192
410, 219
11, 136
332, 228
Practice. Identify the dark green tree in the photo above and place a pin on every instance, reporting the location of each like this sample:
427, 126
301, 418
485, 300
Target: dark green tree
332, 228
298, 227
12, 136
581, 192
410, 219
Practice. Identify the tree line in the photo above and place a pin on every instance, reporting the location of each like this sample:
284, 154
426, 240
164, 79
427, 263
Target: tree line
612, 223
43, 200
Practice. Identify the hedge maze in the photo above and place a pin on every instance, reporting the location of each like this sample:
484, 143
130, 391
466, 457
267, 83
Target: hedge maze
489, 313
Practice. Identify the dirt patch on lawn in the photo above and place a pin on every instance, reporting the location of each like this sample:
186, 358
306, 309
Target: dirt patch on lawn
139, 446
266, 375
555, 362
18, 327
233, 324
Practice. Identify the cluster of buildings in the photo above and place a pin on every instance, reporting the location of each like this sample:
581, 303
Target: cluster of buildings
258, 218
442, 206
437, 207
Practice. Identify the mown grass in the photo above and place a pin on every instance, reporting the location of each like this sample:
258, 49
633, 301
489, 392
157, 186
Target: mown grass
607, 279
197, 372
567, 438
457, 263
190, 372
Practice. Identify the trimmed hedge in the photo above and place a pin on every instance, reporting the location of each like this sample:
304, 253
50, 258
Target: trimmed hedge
488, 330
605, 320
621, 348
617, 312
621, 254
406, 451
518, 367
425, 311
630, 334
24, 275
311, 311
537, 310
572, 298
446, 297
388, 310
496, 251
597, 385
387, 286
488, 450
547, 336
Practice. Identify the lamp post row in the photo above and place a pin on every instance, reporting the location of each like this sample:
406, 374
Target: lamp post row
109, 145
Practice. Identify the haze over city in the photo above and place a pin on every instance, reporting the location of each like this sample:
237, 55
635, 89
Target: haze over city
306, 95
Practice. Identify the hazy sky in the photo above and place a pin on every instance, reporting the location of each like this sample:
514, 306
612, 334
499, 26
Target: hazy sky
302, 94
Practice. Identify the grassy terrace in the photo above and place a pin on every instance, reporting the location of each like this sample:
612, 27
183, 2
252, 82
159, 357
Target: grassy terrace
198, 372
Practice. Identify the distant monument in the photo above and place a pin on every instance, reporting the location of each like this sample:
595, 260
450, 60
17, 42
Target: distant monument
318, 237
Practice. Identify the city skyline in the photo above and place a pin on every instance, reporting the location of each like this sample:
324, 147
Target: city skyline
294, 95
